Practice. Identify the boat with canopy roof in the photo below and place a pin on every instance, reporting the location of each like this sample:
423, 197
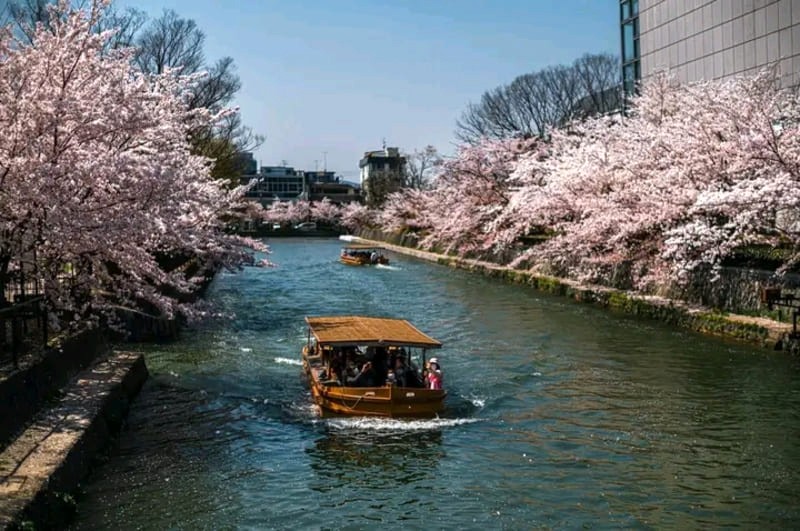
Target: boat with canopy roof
360, 254
360, 365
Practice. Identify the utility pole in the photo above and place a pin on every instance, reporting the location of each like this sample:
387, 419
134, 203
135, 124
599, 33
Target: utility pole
316, 165
325, 158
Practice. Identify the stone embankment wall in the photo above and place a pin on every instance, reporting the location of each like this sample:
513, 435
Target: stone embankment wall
23, 392
45, 463
736, 289
740, 288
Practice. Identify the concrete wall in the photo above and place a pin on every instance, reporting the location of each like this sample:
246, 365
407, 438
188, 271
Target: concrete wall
716, 39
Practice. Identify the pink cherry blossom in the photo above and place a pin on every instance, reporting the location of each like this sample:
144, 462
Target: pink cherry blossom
97, 179
663, 193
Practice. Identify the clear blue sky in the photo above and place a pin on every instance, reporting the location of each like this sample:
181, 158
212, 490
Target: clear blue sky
338, 76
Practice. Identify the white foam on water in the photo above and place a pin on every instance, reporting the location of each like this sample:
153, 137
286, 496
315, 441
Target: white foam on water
288, 361
384, 266
246, 349
381, 424
476, 401
305, 411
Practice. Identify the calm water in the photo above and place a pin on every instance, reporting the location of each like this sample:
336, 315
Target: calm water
559, 415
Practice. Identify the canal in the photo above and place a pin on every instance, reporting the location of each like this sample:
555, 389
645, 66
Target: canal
558, 415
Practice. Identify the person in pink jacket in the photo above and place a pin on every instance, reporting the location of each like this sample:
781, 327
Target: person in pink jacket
433, 378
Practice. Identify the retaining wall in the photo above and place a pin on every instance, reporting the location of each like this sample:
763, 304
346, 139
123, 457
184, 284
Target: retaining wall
759, 331
44, 465
24, 391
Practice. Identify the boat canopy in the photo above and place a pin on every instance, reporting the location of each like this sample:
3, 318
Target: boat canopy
361, 247
369, 331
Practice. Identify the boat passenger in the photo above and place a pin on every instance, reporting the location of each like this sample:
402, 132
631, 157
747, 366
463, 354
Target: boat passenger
400, 376
373, 257
366, 377
433, 378
380, 362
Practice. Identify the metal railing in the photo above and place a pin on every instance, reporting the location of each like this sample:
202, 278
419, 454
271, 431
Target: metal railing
23, 328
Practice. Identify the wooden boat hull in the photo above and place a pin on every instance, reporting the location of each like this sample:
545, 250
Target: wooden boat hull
356, 261
386, 401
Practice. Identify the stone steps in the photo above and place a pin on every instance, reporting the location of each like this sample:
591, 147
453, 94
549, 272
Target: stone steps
45, 463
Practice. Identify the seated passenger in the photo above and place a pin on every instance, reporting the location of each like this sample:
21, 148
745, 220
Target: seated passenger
366, 377
402, 374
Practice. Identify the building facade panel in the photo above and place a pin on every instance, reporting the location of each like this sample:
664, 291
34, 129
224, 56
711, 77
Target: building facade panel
710, 39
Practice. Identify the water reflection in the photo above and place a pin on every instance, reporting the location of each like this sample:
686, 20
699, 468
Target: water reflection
397, 456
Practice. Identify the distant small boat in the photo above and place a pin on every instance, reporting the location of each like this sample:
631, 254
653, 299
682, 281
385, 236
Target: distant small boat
388, 353
362, 254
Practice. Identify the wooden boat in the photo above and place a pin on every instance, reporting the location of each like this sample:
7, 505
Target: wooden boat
362, 254
334, 342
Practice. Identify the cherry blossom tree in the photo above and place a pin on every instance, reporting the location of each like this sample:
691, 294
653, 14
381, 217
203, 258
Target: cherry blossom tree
408, 209
693, 173
277, 212
664, 193
469, 194
97, 178
298, 211
326, 212
355, 216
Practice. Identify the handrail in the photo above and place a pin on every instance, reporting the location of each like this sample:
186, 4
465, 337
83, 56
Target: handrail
18, 305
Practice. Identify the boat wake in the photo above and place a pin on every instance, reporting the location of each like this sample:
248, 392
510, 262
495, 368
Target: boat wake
475, 401
384, 266
393, 425
288, 361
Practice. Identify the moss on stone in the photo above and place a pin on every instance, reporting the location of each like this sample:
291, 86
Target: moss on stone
713, 322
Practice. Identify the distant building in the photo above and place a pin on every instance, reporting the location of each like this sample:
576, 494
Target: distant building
319, 176
709, 39
322, 184
382, 172
276, 183
284, 183
338, 192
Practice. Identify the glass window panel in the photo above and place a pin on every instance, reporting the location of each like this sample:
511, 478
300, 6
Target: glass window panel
626, 10
628, 50
634, 7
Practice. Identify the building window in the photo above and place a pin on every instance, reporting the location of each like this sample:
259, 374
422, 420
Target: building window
631, 63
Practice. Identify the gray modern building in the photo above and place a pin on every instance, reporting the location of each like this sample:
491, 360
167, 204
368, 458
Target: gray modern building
709, 39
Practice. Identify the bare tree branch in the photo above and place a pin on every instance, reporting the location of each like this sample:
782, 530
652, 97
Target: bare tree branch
534, 103
171, 42
419, 167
